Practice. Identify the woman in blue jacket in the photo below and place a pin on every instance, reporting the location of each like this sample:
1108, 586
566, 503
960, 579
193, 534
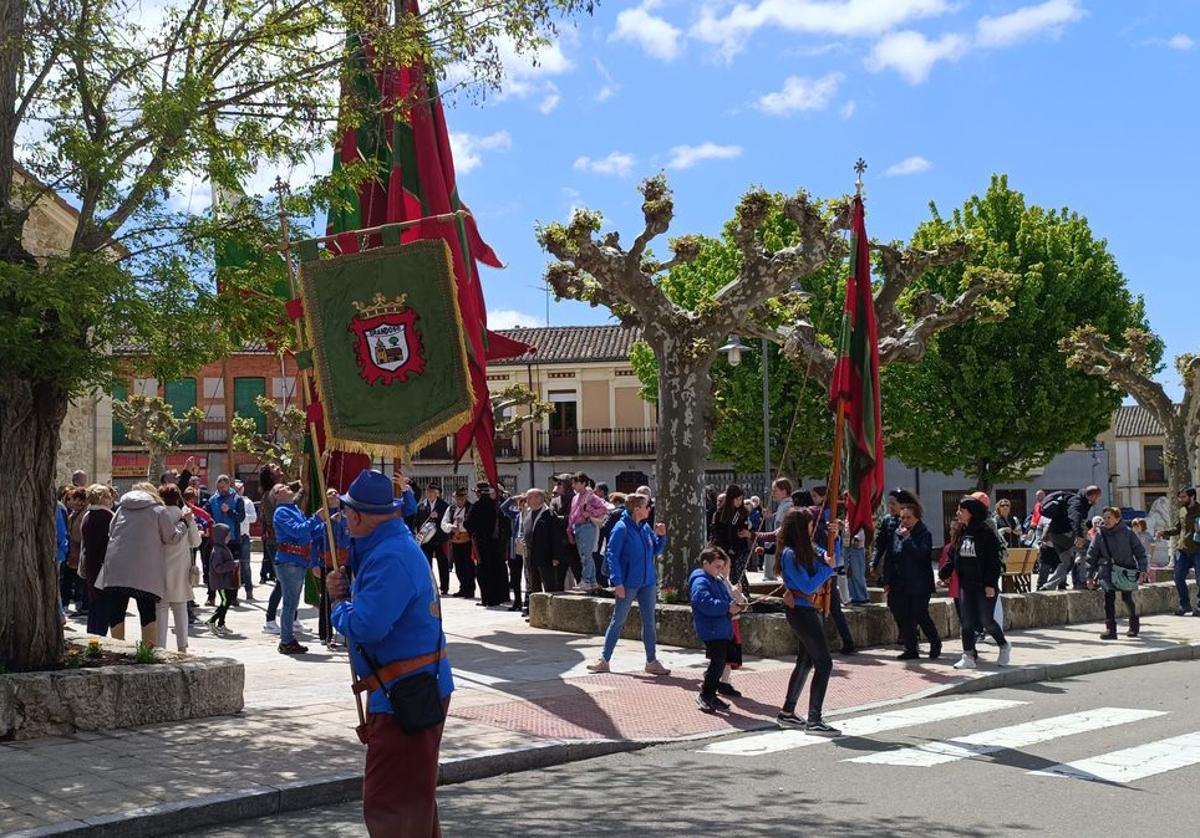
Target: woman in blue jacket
632, 550
804, 575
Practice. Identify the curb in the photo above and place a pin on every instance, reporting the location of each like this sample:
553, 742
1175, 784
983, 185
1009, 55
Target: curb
231, 807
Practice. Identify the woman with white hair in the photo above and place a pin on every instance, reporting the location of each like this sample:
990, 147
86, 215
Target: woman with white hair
177, 570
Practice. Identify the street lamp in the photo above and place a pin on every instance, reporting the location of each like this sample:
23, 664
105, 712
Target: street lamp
733, 350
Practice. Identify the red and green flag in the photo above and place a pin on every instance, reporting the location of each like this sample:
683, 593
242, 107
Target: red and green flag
855, 385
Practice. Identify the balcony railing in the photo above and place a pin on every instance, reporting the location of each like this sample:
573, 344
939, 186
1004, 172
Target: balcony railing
1153, 476
507, 448
598, 442
212, 432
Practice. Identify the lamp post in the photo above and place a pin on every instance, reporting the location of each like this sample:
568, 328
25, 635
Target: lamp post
733, 353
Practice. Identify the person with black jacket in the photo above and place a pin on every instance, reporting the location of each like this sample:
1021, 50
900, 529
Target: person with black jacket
1116, 547
730, 530
560, 505
1067, 534
431, 510
909, 582
539, 535
483, 523
976, 558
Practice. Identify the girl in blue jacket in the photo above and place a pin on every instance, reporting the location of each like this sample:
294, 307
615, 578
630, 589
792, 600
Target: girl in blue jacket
804, 575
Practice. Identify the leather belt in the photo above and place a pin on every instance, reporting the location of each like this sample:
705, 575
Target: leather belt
397, 669
293, 549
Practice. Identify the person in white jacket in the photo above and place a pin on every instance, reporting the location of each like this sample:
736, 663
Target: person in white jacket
177, 573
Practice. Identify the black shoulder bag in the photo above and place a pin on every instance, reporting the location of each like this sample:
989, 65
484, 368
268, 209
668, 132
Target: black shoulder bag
416, 700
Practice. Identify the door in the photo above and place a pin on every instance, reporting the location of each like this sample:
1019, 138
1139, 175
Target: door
564, 434
181, 396
245, 392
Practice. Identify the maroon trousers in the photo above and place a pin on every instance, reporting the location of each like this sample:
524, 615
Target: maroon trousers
400, 782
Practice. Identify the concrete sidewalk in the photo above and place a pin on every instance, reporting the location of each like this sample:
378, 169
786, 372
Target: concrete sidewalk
524, 699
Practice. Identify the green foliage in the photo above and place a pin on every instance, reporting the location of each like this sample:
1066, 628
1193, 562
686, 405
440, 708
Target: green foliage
505, 403
151, 422
145, 653
283, 445
996, 399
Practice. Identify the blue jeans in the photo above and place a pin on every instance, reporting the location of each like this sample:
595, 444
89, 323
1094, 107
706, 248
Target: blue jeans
646, 598
1183, 563
291, 580
856, 575
586, 535
244, 557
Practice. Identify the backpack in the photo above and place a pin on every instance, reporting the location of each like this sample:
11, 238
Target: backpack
1056, 506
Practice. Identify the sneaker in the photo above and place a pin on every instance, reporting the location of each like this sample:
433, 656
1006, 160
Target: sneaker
908, 656
728, 689
292, 648
601, 665
819, 728
848, 650
656, 668
249, 597
966, 662
935, 651
705, 704
1182, 612
299, 628
270, 627
790, 721
1005, 655
222, 631
719, 703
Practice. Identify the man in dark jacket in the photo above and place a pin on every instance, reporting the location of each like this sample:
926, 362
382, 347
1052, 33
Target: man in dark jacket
431, 510
483, 523
1187, 556
909, 582
1069, 523
539, 532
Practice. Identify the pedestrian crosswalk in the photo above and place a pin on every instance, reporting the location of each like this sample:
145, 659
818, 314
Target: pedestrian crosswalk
1125, 765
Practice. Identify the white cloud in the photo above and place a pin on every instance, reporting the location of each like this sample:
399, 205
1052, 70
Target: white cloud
909, 166
468, 148
686, 156
1026, 22
1180, 41
551, 99
610, 86
801, 94
847, 110
657, 38
527, 74
729, 30
912, 55
618, 163
510, 318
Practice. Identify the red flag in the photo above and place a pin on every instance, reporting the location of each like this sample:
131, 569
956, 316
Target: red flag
855, 383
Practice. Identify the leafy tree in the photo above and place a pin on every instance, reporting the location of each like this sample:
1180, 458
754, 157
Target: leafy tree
283, 445
151, 422
1132, 368
997, 399
118, 111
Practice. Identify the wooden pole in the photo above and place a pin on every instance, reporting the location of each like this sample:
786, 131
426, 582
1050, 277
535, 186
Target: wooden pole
835, 487
307, 396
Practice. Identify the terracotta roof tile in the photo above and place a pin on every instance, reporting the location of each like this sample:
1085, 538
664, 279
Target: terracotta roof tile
573, 344
1135, 420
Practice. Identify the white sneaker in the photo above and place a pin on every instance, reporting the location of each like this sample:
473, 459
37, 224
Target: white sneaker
299, 628
271, 627
966, 662
1005, 655
601, 665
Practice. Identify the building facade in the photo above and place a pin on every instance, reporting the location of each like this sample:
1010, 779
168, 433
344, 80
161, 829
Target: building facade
1136, 440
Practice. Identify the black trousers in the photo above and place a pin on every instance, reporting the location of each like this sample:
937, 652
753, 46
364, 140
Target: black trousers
117, 600
813, 657
839, 619
71, 587
978, 612
544, 577
443, 564
911, 611
492, 572
1110, 605
717, 651
516, 575
464, 568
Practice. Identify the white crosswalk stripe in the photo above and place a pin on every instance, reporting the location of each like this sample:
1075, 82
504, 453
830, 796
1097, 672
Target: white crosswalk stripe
1132, 764
1006, 738
784, 740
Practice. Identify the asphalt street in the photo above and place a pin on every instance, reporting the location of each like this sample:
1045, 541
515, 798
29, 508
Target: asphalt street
1113, 753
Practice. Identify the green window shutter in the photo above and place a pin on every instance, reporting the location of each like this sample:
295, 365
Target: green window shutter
181, 396
245, 391
120, 393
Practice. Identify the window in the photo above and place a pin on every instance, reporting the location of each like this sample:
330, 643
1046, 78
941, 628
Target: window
120, 393
1152, 464
181, 396
245, 392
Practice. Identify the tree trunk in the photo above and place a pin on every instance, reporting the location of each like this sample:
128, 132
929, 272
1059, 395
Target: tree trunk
158, 464
1175, 455
31, 416
684, 393
983, 477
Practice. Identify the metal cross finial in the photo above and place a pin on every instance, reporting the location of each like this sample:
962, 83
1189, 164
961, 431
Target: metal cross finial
860, 166
280, 186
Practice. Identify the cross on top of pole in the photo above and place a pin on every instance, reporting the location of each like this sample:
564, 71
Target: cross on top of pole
860, 166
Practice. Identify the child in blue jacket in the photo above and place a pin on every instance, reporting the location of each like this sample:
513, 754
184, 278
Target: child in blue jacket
712, 613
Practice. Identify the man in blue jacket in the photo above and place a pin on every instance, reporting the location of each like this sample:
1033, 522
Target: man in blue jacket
227, 507
632, 550
392, 624
295, 534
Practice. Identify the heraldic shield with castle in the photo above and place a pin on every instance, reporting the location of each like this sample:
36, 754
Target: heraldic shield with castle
387, 344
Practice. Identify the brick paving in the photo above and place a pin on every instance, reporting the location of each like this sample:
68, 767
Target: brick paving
517, 688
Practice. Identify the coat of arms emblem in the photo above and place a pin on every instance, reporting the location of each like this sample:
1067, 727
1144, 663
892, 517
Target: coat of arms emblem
388, 344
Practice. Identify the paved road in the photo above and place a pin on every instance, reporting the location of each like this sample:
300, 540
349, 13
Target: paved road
1113, 753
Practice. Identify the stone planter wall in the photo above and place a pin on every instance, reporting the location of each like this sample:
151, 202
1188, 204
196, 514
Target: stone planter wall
768, 635
36, 704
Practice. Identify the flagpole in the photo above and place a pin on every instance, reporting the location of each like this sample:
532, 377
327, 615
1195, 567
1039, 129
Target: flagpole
306, 399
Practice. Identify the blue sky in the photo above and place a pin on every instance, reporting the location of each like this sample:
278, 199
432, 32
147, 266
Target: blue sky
1083, 103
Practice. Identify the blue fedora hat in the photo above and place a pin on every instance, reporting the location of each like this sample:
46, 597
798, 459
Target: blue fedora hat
371, 492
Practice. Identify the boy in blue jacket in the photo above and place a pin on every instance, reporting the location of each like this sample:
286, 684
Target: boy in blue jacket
712, 613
